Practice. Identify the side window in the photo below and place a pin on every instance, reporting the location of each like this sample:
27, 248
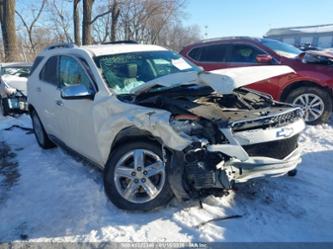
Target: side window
49, 71
213, 53
36, 63
195, 54
72, 73
242, 53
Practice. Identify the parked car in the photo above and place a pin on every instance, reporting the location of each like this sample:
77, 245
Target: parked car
311, 86
158, 126
13, 87
308, 46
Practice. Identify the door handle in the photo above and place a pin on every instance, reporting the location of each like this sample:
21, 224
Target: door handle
59, 103
38, 89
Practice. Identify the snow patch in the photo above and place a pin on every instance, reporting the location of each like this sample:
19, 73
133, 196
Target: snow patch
60, 199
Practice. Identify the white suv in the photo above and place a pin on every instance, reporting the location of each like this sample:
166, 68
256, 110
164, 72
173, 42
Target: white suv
157, 125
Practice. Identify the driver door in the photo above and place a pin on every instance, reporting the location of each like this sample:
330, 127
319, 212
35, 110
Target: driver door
76, 122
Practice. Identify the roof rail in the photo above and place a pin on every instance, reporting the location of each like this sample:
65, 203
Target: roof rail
61, 45
227, 38
121, 42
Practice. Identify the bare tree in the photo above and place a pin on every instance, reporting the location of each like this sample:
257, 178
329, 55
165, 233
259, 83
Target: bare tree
115, 12
7, 19
61, 21
176, 36
76, 22
29, 27
101, 28
144, 20
88, 20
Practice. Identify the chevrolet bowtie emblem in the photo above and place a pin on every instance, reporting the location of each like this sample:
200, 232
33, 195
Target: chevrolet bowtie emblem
285, 132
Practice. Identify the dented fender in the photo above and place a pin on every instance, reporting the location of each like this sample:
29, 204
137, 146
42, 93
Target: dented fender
110, 121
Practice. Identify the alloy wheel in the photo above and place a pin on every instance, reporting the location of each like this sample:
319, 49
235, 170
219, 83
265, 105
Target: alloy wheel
139, 176
313, 106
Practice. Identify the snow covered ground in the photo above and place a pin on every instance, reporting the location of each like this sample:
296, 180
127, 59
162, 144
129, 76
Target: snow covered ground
48, 195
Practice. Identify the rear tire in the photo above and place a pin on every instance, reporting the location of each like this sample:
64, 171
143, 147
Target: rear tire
39, 131
316, 101
133, 187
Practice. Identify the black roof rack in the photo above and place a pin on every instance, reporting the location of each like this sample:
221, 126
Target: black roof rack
61, 45
121, 42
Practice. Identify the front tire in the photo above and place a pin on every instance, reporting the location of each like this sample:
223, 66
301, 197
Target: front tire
136, 177
316, 102
39, 131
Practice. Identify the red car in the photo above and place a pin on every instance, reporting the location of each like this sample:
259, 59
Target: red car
311, 86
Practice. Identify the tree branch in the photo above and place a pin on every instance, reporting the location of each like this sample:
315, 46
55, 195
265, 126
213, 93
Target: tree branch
100, 15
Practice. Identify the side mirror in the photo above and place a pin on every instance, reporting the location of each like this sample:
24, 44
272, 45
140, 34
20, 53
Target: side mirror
76, 92
264, 58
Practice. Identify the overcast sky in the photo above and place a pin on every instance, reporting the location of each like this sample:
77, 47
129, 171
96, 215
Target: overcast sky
256, 17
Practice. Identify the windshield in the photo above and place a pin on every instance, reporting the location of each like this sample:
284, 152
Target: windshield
124, 72
281, 48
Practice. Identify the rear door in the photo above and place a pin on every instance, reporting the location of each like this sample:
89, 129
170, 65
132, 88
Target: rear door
45, 94
211, 56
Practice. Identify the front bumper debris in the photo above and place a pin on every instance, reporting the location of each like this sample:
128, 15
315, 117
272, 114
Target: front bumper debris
256, 167
203, 169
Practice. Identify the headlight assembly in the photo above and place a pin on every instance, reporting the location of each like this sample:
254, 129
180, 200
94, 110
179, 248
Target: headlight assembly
187, 124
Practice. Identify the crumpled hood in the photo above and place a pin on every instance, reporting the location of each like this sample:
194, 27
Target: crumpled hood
318, 57
223, 81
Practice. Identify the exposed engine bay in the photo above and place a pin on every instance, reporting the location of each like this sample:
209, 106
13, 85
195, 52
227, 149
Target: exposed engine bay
212, 121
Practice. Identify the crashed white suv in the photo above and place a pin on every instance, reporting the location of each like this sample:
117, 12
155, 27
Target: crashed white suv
157, 125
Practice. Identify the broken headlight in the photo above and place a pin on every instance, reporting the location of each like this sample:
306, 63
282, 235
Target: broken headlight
187, 124
194, 126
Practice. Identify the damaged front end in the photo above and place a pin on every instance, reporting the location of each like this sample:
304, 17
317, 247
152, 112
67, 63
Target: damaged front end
235, 137
12, 101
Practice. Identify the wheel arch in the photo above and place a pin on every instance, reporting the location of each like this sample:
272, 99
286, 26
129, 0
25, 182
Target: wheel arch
299, 84
132, 134
31, 108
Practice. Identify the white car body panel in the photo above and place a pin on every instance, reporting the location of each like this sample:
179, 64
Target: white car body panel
223, 81
109, 119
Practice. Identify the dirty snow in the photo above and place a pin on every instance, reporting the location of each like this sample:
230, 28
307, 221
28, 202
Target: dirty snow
58, 198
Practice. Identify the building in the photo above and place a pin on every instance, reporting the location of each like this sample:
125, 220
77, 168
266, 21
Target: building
318, 36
